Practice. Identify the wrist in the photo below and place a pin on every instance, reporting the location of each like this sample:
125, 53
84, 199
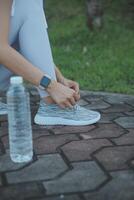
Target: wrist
45, 82
51, 86
61, 79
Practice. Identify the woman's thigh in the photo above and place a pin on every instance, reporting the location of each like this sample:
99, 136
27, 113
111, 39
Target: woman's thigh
15, 25
24, 32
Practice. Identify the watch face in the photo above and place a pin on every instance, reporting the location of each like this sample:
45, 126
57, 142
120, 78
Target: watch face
45, 81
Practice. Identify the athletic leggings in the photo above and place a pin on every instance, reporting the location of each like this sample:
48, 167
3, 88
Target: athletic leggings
28, 35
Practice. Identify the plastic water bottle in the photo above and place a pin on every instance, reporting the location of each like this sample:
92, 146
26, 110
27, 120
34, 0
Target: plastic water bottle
19, 121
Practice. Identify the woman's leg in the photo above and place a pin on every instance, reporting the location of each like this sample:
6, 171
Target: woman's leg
29, 27
35, 46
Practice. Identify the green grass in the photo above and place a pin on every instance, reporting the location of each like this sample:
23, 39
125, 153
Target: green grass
100, 60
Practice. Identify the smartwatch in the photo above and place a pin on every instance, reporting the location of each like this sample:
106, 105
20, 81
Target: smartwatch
45, 81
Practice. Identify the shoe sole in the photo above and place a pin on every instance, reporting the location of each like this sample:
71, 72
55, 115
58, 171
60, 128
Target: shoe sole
61, 121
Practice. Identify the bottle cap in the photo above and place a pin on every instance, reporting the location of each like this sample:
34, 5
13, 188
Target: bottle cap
16, 80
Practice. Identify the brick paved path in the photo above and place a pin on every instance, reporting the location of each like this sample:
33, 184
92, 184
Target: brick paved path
75, 163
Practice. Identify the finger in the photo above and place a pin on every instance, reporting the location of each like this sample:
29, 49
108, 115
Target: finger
62, 105
76, 87
77, 97
68, 104
72, 101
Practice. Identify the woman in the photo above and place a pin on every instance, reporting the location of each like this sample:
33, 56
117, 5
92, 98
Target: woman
25, 51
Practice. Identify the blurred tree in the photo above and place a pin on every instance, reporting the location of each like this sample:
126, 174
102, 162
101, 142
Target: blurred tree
94, 13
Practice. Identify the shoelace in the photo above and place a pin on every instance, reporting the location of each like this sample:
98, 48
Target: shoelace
74, 108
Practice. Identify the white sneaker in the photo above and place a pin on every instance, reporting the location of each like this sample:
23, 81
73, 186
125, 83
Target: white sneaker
3, 108
52, 114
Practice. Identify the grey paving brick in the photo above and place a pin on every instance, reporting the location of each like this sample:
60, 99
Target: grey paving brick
97, 105
0, 181
46, 167
82, 150
84, 176
115, 158
109, 117
40, 132
93, 97
131, 102
126, 122
61, 197
125, 139
3, 131
26, 182
3, 118
7, 165
104, 131
49, 144
118, 98
71, 129
82, 102
121, 187
1, 148
118, 108
20, 192
131, 113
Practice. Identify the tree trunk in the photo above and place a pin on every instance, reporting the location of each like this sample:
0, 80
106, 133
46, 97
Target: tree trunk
94, 13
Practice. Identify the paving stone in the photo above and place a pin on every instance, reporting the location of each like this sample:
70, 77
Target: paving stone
39, 128
115, 158
5, 141
82, 102
132, 163
40, 132
36, 134
112, 98
82, 150
61, 197
46, 167
7, 165
125, 139
95, 105
60, 182
0, 181
71, 129
20, 192
84, 176
118, 98
118, 108
3, 131
49, 144
126, 122
104, 131
131, 102
1, 148
130, 113
121, 187
108, 117
3, 118
4, 124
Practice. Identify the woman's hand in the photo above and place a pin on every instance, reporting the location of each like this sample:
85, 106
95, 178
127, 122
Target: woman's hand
63, 95
71, 84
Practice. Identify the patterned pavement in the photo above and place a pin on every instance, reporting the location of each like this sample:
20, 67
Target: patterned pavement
75, 162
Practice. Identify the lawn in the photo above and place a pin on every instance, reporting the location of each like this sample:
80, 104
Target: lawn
100, 60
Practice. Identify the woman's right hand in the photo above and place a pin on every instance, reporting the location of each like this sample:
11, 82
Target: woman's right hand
62, 95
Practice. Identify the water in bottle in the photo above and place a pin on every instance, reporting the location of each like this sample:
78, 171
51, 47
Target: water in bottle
19, 121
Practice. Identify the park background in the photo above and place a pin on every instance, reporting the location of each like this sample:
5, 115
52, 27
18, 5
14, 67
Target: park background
99, 59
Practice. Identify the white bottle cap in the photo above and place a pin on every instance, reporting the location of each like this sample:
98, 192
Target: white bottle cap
16, 80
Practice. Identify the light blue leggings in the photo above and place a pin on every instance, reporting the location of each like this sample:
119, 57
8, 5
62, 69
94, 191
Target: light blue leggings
28, 35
